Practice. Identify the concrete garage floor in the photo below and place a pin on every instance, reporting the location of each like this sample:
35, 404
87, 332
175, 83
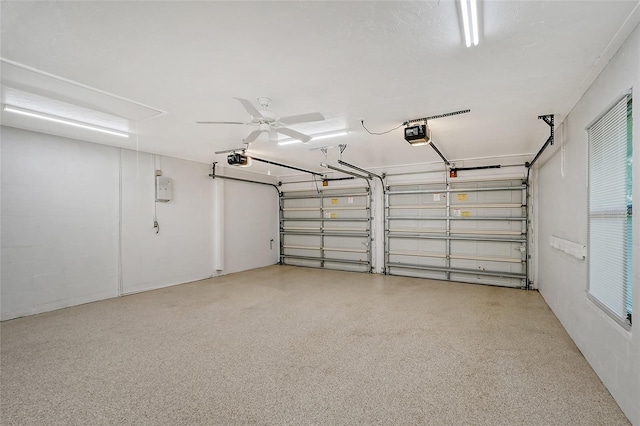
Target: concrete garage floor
289, 345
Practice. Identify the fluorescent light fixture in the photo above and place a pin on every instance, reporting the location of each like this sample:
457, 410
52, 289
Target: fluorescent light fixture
53, 119
329, 135
289, 141
315, 137
474, 21
469, 9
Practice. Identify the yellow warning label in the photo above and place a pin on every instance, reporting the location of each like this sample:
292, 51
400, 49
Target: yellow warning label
465, 214
334, 201
462, 197
334, 215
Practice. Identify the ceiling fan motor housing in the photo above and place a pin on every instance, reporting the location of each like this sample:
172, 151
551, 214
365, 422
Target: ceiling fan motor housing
267, 117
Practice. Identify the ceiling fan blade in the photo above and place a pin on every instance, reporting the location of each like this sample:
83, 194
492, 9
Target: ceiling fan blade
295, 135
221, 122
252, 136
249, 107
302, 118
273, 135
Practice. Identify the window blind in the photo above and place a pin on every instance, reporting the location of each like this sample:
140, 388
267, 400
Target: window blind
610, 212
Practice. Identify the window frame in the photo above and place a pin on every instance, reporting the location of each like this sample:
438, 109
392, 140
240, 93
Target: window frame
627, 286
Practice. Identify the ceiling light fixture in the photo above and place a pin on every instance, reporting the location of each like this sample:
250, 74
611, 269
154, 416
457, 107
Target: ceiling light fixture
53, 119
289, 141
469, 9
315, 137
329, 135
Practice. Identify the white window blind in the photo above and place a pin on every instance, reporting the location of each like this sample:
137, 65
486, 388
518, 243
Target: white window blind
610, 212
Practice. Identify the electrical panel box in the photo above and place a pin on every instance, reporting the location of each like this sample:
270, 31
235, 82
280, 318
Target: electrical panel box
164, 189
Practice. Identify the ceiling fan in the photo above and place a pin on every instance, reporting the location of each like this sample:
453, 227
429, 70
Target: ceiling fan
268, 121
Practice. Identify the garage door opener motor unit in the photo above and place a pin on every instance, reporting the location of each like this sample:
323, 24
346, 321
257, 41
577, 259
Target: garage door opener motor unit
417, 135
239, 160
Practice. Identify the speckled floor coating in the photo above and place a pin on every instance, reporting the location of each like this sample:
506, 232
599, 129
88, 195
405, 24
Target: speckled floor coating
297, 346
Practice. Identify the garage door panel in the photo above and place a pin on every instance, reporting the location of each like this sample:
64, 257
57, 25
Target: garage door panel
345, 243
486, 265
344, 201
486, 227
419, 226
304, 262
417, 245
326, 229
487, 248
338, 213
480, 238
301, 252
303, 240
418, 273
486, 279
349, 267
347, 256
301, 213
436, 260
343, 225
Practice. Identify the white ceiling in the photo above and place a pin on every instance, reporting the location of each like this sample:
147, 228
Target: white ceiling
384, 62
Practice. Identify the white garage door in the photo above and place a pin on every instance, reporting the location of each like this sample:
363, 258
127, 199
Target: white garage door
326, 229
460, 231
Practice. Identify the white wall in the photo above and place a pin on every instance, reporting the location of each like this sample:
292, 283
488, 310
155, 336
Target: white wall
562, 212
182, 250
251, 214
77, 223
59, 222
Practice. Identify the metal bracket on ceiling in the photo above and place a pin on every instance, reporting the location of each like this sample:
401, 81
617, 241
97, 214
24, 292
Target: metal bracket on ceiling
262, 160
548, 118
433, 117
368, 173
213, 175
234, 150
324, 150
342, 147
